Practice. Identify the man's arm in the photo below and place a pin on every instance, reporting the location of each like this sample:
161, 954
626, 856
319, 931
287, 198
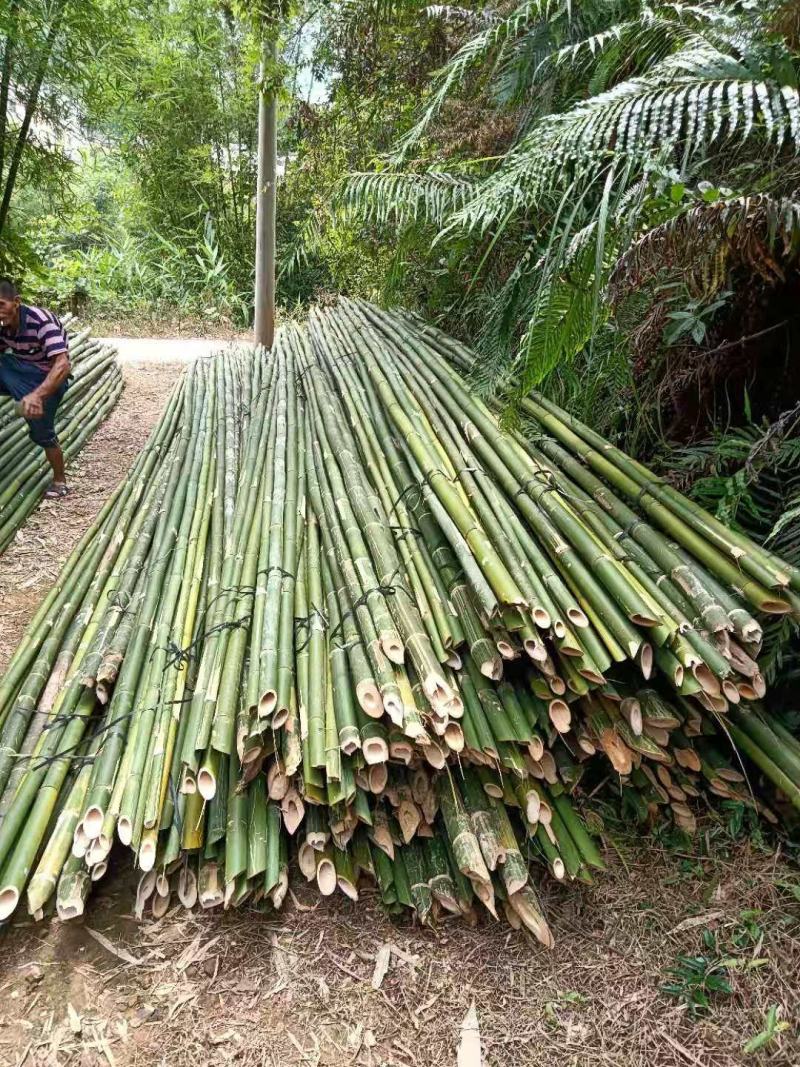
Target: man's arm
32, 405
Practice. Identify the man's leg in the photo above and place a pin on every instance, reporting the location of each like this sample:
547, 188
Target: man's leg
55, 457
43, 433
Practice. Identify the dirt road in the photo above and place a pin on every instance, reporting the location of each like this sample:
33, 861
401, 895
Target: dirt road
300, 988
162, 349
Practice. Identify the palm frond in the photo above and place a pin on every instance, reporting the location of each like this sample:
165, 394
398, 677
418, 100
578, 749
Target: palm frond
462, 15
756, 230
404, 197
474, 52
634, 120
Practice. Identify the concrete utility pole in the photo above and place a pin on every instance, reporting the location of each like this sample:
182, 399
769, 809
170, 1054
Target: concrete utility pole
264, 325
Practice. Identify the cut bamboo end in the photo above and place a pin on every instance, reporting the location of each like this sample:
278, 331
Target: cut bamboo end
187, 887
591, 675
125, 830
454, 661
369, 697
307, 861
492, 668
557, 685
278, 894
393, 705
577, 617
93, 822
375, 750
536, 748
688, 759
349, 740
454, 737
752, 632
326, 877
454, 708
632, 710
206, 783
211, 898
707, 679
401, 751
252, 755
377, 777
98, 870
80, 842
9, 898
267, 704
549, 767
730, 774
775, 607
435, 756
69, 909
437, 690
506, 650
317, 839
414, 728
280, 718
293, 810
557, 869
560, 716
278, 783
730, 691
392, 648
97, 851
346, 886
645, 659
535, 649
533, 808
147, 854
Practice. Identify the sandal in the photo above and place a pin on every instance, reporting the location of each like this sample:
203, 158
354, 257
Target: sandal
55, 491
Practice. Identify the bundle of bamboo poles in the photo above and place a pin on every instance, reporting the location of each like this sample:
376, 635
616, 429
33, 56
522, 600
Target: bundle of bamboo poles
92, 393
336, 619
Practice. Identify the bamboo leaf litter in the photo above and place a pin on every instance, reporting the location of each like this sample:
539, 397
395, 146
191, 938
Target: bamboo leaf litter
91, 396
337, 621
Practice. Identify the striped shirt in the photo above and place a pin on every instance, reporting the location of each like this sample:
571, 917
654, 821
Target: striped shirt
39, 339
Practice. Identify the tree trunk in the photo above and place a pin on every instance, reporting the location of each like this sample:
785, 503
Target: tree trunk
30, 111
5, 79
264, 327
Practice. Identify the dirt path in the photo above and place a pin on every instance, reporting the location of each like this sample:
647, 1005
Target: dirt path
163, 349
299, 988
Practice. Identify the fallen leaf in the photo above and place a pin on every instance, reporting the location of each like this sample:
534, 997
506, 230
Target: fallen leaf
75, 1024
382, 961
115, 950
697, 920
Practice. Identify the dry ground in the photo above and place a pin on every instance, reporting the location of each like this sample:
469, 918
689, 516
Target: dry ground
296, 988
